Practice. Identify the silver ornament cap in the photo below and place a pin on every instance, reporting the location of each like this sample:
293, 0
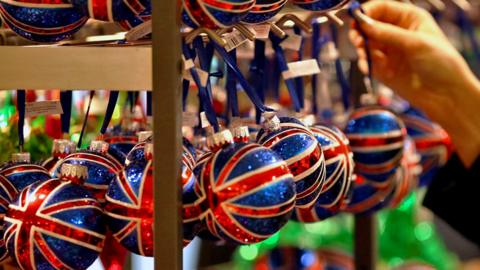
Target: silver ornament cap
219, 139
63, 147
75, 173
144, 135
241, 133
99, 146
271, 122
21, 157
148, 151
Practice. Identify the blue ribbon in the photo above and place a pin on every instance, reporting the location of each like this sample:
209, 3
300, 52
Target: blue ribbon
299, 80
112, 102
231, 87
354, 6
205, 56
316, 33
79, 144
282, 64
344, 85
149, 103
185, 88
257, 69
21, 117
241, 79
66, 101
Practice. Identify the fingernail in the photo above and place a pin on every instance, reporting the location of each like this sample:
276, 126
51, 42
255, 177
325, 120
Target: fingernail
363, 18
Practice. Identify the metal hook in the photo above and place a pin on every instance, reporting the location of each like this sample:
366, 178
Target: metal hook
210, 33
290, 17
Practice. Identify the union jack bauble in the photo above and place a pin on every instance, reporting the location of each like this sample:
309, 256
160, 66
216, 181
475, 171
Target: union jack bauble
376, 139
339, 175
130, 206
22, 174
244, 193
135, 20
264, 10
42, 20
431, 141
111, 10
215, 13
320, 5
54, 225
60, 149
137, 152
7, 194
120, 145
297, 145
102, 170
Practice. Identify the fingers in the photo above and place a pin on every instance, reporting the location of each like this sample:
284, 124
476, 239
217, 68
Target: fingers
393, 12
387, 34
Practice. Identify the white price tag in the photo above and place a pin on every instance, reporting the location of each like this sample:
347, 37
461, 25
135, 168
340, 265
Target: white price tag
43, 108
261, 30
301, 68
292, 42
234, 39
187, 64
189, 119
203, 75
139, 31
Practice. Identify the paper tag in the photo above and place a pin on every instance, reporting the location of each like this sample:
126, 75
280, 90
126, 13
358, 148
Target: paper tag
189, 119
292, 42
43, 108
234, 39
187, 64
261, 30
203, 75
301, 68
139, 31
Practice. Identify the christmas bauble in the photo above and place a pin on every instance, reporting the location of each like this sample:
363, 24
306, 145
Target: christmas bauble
320, 5
60, 149
136, 20
296, 144
21, 173
102, 167
42, 20
120, 145
130, 206
339, 170
137, 152
245, 193
376, 139
431, 141
111, 10
264, 10
215, 14
7, 194
54, 225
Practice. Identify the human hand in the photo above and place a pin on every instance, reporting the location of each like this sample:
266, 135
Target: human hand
411, 55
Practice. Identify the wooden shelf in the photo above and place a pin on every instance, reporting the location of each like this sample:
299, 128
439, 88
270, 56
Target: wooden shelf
72, 68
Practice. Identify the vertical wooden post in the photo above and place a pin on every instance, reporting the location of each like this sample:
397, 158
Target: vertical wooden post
365, 239
166, 101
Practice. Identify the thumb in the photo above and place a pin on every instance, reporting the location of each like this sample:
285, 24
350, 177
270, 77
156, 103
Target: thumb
387, 34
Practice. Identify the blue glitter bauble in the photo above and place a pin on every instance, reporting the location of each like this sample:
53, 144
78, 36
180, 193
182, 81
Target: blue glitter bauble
297, 145
339, 179
216, 13
23, 174
130, 207
320, 5
42, 20
120, 145
54, 225
264, 10
111, 10
245, 193
7, 194
376, 138
135, 20
432, 143
102, 170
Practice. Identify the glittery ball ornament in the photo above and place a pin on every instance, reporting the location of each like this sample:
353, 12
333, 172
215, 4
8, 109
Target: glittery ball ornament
136, 19
42, 20
60, 149
55, 224
431, 141
21, 173
188, 164
102, 167
130, 206
137, 152
7, 194
111, 10
376, 138
320, 5
297, 145
245, 192
264, 10
339, 180
215, 14
120, 144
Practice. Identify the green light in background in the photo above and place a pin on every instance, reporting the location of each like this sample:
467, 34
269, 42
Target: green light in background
395, 261
423, 231
272, 241
75, 137
248, 253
